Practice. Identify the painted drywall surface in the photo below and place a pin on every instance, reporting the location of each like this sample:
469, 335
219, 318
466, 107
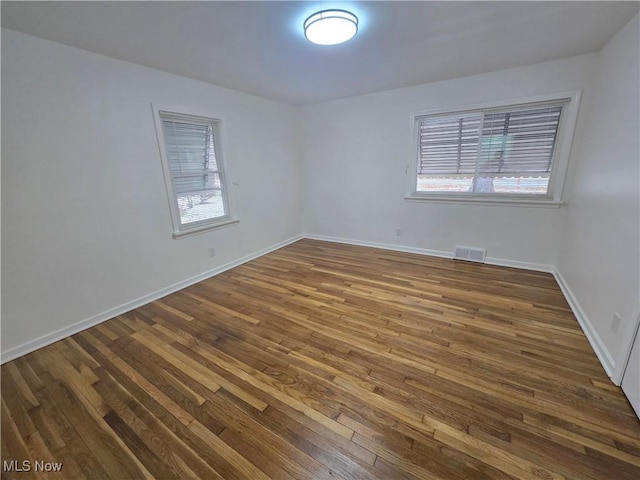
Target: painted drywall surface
85, 218
599, 256
358, 152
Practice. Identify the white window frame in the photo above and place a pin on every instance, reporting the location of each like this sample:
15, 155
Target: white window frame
562, 152
180, 230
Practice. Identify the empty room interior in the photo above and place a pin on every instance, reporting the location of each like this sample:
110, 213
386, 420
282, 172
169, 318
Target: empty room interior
313, 240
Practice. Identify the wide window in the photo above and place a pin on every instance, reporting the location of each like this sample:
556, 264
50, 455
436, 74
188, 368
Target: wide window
504, 153
193, 170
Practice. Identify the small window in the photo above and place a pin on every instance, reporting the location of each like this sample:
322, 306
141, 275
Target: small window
194, 171
505, 153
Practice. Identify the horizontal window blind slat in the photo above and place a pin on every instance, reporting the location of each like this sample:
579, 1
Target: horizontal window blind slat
210, 191
189, 145
448, 145
198, 173
190, 184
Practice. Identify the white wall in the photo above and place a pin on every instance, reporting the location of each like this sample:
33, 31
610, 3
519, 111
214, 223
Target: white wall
599, 255
358, 151
85, 219
86, 225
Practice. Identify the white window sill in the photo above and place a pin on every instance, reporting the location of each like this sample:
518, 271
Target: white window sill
505, 202
205, 228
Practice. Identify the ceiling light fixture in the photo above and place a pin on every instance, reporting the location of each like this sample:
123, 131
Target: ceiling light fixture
330, 27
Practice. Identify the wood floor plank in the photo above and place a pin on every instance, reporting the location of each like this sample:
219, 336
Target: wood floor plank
22, 388
326, 361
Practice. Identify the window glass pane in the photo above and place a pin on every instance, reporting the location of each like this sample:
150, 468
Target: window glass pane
516, 151
508, 151
455, 184
196, 208
521, 185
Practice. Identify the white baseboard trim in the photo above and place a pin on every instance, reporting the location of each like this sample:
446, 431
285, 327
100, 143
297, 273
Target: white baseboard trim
625, 346
49, 338
605, 357
383, 246
538, 267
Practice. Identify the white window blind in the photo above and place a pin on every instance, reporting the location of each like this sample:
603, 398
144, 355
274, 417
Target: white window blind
507, 151
197, 176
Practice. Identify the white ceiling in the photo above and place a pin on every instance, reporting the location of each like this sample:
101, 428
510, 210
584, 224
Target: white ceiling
259, 47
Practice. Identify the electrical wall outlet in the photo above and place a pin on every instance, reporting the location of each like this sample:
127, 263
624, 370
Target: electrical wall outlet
212, 251
398, 232
615, 323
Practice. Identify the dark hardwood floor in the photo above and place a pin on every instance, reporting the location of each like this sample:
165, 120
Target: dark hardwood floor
321, 361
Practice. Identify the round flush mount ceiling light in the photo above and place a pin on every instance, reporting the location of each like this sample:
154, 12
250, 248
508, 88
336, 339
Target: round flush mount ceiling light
330, 27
